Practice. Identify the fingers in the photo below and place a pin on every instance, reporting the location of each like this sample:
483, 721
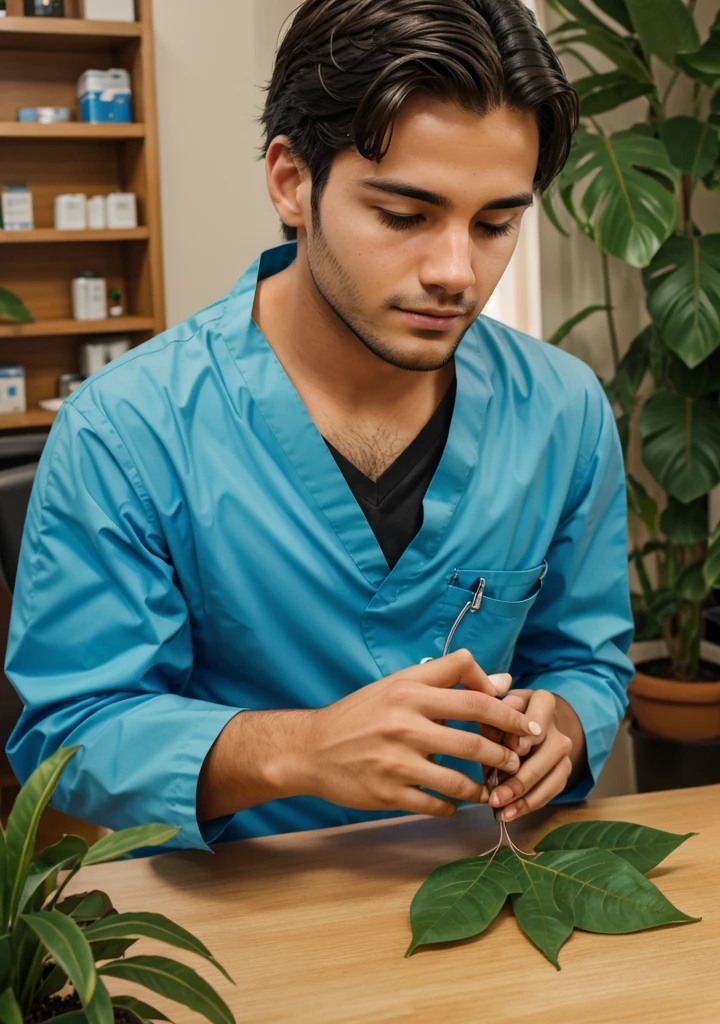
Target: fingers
458, 667
453, 784
470, 746
540, 765
417, 802
551, 786
502, 681
464, 706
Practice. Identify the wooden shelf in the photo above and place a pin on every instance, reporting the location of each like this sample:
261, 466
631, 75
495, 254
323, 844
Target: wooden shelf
55, 328
69, 130
51, 235
65, 33
32, 418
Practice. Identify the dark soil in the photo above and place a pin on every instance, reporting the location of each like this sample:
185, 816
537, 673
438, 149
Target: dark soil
662, 669
55, 1005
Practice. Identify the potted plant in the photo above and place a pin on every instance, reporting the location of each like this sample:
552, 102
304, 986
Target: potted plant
55, 950
632, 193
12, 309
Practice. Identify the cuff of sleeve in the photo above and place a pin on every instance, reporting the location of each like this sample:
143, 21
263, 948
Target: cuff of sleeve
600, 712
183, 797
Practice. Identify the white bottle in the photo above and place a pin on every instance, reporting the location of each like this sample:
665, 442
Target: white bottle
121, 210
89, 297
97, 213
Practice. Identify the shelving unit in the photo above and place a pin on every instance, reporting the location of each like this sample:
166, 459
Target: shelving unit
41, 60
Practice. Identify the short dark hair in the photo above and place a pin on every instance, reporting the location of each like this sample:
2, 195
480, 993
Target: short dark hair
345, 67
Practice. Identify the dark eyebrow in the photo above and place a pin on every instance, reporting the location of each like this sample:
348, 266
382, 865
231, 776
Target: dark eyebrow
422, 195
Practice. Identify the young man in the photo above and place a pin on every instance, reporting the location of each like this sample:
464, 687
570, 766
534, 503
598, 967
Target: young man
251, 539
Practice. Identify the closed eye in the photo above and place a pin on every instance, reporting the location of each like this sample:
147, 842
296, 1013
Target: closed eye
403, 222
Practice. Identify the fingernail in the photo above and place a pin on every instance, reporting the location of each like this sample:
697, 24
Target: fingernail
513, 763
524, 746
508, 814
535, 729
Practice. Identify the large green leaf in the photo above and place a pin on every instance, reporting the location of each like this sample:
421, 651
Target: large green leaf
692, 145
151, 926
174, 980
68, 947
12, 308
711, 569
138, 1009
24, 818
681, 444
691, 585
86, 906
5, 961
63, 856
461, 899
686, 524
594, 890
630, 211
602, 92
702, 381
10, 1012
606, 42
4, 880
640, 845
98, 1011
631, 372
117, 844
618, 10
683, 285
642, 504
703, 64
664, 27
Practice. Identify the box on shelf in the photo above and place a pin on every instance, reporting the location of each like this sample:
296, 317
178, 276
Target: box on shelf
105, 96
97, 213
12, 389
16, 209
108, 10
44, 115
94, 355
71, 212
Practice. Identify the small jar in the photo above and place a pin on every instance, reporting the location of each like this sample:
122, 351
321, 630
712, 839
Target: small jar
89, 296
44, 8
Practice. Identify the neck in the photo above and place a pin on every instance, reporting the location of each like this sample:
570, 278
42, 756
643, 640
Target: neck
336, 375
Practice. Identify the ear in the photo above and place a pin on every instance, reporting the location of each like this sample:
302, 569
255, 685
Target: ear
289, 183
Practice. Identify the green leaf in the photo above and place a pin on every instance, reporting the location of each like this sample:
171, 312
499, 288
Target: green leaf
10, 1012
68, 947
700, 382
55, 980
141, 1010
63, 856
12, 308
715, 109
686, 524
664, 27
461, 899
174, 980
563, 331
549, 208
4, 881
631, 372
703, 64
681, 444
691, 584
602, 92
616, 9
683, 285
150, 926
5, 961
612, 46
581, 14
24, 818
595, 890
117, 844
692, 145
640, 502
630, 211
86, 906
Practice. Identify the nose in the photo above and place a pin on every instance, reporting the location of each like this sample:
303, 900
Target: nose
448, 263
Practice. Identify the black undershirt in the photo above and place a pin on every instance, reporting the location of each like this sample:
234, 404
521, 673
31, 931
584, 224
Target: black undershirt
393, 505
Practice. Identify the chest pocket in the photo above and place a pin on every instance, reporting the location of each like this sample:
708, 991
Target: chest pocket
491, 632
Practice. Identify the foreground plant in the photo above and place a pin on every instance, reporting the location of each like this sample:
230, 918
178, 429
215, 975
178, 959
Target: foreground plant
587, 875
47, 942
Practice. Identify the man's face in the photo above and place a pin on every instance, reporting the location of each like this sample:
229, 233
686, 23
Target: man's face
408, 251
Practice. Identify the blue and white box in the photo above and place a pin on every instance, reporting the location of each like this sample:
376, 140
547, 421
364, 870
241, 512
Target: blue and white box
105, 96
12, 389
16, 209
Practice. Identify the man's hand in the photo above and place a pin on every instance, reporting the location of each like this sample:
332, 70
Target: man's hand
373, 749
551, 761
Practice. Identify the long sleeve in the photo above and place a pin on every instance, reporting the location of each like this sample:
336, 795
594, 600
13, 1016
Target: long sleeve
100, 644
577, 635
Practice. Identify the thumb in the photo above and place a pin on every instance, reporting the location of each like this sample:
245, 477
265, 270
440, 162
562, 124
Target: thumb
502, 681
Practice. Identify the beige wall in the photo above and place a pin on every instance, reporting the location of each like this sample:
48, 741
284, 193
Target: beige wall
212, 61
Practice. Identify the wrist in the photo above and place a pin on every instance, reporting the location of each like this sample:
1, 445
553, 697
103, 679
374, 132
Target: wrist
287, 765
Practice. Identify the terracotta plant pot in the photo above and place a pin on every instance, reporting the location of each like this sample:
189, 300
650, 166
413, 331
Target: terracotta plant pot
674, 709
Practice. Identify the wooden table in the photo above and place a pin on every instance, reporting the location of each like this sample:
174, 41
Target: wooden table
314, 926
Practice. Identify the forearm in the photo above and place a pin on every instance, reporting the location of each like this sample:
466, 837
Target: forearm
256, 758
569, 723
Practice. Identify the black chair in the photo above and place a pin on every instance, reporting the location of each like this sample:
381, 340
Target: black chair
15, 487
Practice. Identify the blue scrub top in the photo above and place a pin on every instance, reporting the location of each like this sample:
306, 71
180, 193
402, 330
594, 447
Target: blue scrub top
192, 550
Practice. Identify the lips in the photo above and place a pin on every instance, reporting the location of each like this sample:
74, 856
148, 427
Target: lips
430, 321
